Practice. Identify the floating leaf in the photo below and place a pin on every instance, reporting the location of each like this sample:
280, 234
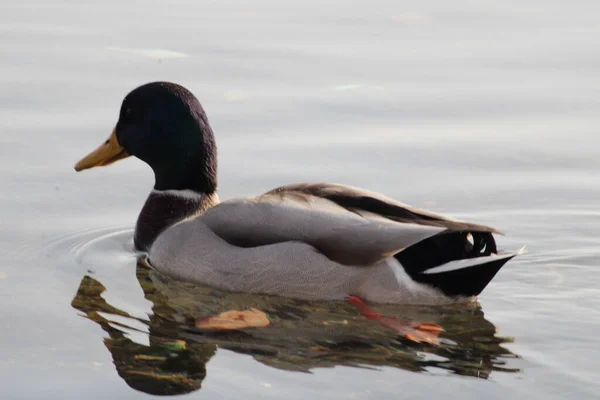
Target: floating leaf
234, 320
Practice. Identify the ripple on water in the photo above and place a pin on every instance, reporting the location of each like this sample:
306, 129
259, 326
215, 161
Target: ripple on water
82, 246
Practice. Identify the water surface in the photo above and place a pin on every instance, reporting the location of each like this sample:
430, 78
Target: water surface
486, 111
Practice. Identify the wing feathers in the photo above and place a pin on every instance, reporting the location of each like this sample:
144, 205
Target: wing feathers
371, 242
348, 225
352, 198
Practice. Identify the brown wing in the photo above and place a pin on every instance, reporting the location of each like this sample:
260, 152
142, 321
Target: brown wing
362, 201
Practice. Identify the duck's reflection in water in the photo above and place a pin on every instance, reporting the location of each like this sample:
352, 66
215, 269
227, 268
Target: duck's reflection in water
301, 336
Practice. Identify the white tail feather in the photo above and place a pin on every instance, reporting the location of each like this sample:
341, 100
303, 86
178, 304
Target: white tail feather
471, 262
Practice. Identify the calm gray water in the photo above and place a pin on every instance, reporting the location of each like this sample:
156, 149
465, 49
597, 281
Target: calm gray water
482, 110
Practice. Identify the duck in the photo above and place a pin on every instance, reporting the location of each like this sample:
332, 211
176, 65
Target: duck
306, 241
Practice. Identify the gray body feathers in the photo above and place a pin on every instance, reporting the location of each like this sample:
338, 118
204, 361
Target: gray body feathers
308, 241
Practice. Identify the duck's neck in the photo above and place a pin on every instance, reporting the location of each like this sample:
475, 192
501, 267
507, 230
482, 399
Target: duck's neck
164, 208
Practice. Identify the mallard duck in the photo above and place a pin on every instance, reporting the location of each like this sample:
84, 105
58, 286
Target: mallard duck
313, 241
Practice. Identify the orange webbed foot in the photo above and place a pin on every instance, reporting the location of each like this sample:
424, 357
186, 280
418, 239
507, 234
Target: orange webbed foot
416, 331
419, 332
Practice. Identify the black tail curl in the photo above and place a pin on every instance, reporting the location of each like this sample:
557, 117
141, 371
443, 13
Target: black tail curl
451, 246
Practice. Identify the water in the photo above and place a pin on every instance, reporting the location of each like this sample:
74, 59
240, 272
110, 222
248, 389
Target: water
486, 111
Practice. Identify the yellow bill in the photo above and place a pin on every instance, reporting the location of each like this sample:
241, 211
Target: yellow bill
109, 152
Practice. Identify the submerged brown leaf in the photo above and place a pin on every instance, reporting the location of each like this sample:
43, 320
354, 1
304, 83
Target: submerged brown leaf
234, 320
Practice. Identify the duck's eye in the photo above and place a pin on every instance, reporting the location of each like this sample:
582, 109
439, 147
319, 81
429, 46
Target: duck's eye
128, 112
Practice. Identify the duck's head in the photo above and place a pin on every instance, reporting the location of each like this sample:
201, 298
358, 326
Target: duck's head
164, 125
